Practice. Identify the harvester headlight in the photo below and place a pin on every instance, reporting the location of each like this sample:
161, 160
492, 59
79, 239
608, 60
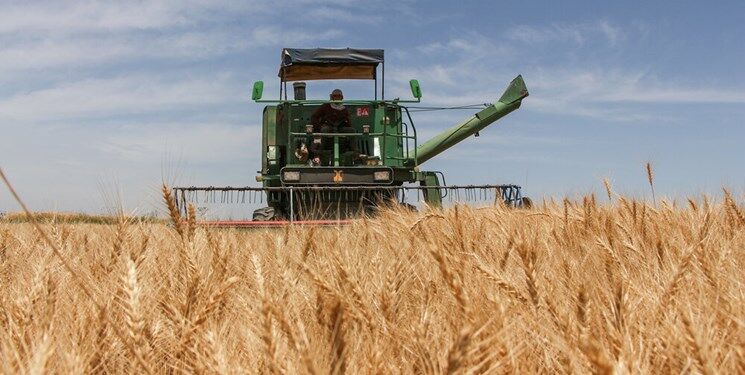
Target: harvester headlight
291, 175
382, 175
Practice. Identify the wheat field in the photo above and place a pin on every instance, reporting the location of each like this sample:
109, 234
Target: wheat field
576, 286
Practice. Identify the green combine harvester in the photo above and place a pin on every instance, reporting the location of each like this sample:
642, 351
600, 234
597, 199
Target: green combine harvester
326, 172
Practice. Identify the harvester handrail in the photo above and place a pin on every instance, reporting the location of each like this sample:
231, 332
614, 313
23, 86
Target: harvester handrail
341, 135
416, 141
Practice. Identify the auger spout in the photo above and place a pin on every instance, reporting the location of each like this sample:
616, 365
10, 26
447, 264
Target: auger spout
510, 101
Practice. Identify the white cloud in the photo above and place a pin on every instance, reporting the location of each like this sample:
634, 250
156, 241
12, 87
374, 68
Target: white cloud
336, 14
578, 33
477, 73
117, 96
95, 16
198, 143
94, 50
613, 85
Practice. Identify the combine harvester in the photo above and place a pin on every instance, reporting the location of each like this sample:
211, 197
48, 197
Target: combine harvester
328, 173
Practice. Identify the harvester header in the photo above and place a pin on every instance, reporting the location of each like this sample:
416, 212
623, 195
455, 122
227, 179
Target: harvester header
338, 158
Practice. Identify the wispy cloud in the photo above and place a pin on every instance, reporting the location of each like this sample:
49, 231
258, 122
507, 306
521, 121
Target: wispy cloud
116, 16
86, 50
198, 143
577, 33
335, 15
478, 70
119, 96
612, 94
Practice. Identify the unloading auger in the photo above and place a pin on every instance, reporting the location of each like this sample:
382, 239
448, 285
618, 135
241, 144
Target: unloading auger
355, 171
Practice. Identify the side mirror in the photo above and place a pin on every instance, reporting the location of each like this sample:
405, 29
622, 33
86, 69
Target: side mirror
416, 91
258, 90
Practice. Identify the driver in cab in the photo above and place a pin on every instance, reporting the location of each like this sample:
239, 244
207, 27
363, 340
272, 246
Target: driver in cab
331, 118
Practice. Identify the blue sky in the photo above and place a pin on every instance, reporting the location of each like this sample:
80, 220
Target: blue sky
105, 99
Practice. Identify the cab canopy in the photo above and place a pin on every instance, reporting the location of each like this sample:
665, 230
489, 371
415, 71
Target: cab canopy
329, 63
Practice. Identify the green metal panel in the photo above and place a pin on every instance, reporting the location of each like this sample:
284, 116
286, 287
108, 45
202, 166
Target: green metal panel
269, 139
431, 196
389, 148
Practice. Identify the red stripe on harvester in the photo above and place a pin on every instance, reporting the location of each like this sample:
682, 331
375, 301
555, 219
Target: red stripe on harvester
259, 224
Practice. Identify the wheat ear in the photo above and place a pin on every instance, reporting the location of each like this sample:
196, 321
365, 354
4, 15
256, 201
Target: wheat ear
173, 211
650, 179
66, 263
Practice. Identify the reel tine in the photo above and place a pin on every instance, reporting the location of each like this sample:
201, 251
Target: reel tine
175, 198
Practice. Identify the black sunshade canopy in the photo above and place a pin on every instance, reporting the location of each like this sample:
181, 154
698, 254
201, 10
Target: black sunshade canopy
329, 63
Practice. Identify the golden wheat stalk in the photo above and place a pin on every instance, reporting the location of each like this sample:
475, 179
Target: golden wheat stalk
68, 266
650, 179
173, 210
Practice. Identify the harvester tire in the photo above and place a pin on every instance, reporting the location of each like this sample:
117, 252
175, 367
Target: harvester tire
526, 202
265, 214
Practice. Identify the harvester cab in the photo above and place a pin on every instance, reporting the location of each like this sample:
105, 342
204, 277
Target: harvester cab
367, 154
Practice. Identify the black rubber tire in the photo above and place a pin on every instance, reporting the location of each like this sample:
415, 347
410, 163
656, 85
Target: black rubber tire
526, 202
265, 214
